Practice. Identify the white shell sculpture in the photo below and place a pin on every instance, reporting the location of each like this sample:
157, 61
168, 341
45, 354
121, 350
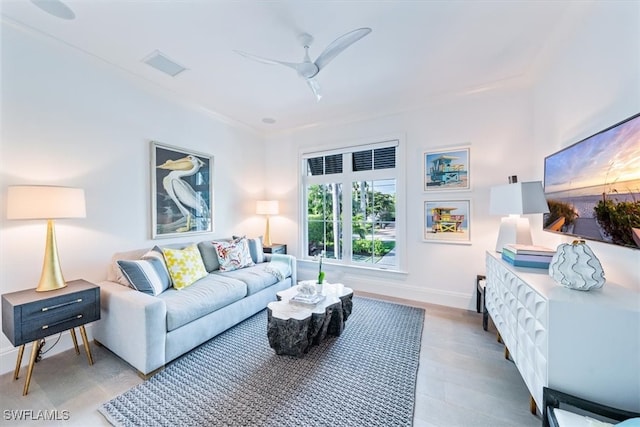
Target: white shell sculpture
576, 267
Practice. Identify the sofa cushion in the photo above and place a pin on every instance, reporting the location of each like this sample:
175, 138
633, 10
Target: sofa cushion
146, 275
156, 253
233, 255
185, 265
209, 255
256, 277
255, 248
115, 274
201, 298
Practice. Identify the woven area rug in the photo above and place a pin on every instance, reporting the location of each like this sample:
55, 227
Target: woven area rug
365, 377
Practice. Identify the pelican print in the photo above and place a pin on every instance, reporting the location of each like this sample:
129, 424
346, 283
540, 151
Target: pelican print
189, 202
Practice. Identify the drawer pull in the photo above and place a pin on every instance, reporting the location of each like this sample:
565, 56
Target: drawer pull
75, 301
79, 316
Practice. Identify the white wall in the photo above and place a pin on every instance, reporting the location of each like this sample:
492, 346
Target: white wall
495, 124
590, 81
70, 119
591, 85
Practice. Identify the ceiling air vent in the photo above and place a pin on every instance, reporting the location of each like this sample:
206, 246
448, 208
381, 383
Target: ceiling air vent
161, 62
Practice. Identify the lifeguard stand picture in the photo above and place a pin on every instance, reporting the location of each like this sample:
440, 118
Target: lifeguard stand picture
444, 221
446, 169
447, 221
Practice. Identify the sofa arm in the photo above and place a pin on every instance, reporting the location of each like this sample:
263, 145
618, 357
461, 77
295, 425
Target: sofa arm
292, 265
133, 325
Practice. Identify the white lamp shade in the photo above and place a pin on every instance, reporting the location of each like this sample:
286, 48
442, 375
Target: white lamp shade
45, 202
518, 199
267, 207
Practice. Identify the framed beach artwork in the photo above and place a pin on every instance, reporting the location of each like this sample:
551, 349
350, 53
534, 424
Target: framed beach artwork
447, 169
181, 191
447, 221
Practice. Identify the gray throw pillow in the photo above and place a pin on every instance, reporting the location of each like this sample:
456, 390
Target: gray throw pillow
209, 256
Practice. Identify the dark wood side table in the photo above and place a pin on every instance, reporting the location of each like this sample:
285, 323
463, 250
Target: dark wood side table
276, 248
30, 316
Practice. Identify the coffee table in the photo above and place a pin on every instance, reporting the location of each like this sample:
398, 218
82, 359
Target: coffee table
292, 328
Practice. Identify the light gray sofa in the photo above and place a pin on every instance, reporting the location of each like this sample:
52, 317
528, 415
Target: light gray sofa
150, 331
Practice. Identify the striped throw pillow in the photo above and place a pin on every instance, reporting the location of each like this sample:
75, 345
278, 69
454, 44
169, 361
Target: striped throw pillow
146, 275
255, 248
156, 253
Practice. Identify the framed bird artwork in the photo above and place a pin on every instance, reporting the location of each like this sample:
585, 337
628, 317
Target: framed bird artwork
181, 191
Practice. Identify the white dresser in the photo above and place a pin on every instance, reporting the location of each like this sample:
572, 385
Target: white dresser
583, 343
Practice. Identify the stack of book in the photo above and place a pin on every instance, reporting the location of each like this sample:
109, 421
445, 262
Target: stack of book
307, 299
527, 255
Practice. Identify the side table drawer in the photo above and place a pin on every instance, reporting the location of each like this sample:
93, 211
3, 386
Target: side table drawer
58, 315
28, 320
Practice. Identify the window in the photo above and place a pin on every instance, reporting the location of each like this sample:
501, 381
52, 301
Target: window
350, 205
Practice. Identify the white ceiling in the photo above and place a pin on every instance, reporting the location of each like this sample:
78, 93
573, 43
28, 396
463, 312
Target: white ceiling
417, 51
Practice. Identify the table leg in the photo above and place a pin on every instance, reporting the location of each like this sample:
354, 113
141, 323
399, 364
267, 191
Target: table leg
485, 318
75, 340
16, 373
85, 341
533, 408
34, 355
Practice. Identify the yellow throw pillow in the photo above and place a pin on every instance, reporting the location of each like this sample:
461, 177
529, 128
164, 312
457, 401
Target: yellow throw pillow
185, 265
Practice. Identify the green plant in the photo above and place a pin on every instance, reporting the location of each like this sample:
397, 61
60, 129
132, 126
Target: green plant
316, 229
320, 272
373, 247
559, 210
617, 219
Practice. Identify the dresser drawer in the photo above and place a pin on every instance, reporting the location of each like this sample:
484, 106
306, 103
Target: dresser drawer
28, 316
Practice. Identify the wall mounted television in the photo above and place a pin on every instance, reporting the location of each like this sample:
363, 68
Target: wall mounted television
593, 186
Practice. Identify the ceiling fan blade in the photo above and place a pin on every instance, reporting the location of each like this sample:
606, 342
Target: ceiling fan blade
267, 60
315, 88
340, 44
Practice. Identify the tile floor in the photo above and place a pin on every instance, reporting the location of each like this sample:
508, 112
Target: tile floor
463, 380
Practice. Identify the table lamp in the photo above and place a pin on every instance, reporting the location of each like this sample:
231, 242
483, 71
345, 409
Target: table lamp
267, 207
520, 198
47, 202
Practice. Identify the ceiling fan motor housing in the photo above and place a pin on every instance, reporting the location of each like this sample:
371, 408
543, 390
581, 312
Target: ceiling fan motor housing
307, 69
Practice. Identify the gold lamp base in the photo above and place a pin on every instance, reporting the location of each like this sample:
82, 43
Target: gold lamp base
267, 234
51, 277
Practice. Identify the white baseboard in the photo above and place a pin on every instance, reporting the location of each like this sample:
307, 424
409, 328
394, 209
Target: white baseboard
419, 294
392, 284
8, 358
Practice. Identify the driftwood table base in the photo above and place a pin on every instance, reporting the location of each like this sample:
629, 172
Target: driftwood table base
293, 328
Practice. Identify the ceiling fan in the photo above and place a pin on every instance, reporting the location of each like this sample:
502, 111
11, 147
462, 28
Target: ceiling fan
309, 70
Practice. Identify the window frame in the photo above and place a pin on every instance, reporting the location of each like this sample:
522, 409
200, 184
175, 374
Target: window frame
346, 178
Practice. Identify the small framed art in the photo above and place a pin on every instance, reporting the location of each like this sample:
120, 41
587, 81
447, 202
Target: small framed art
446, 170
181, 191
447, 221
